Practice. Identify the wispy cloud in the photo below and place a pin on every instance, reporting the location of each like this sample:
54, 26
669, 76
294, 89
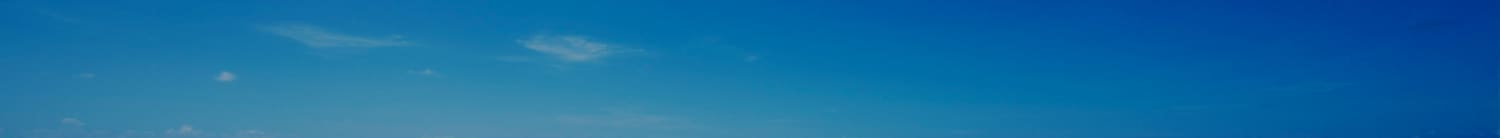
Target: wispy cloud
184, 130
571, 48
425, 72
225, 76
318, 37
72, 121
252, 132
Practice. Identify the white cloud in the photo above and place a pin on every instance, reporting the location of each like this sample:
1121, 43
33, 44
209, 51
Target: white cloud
72, 121
252, 133
570, 48
225, 76
184, 130
317, 37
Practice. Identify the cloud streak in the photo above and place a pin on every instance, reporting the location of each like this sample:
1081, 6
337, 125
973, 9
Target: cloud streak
72, 121
425, 72
184, 130
570, 48
317, 37
225, 76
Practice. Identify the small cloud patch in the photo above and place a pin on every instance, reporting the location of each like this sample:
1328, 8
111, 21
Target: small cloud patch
184, 130
424, 72
225, 76
72, 121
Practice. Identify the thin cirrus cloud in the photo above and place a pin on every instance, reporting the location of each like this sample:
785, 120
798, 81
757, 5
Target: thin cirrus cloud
425, 72
571, 48
72, 121
184, 130
314, 36
226, 76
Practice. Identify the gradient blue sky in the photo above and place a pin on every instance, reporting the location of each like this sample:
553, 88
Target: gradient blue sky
750, 69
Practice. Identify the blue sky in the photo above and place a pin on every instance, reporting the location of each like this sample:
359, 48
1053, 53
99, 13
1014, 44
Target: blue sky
749, 69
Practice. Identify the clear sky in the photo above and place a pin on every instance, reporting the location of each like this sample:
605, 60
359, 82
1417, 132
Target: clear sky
749, 69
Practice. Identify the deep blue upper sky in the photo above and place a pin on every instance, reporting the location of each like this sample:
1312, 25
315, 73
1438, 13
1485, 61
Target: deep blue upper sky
750, 69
